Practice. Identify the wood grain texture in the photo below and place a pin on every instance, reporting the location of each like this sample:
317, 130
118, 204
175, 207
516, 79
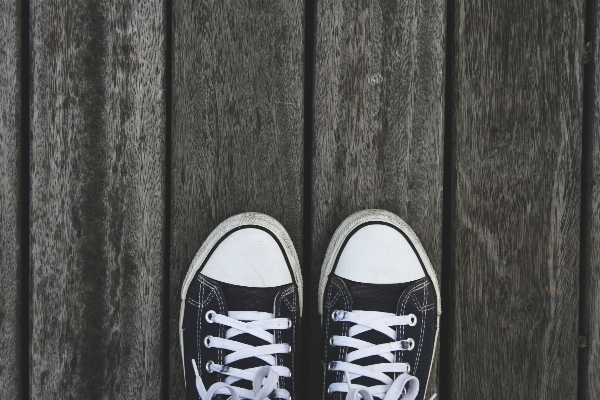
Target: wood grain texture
10, 229
379, 112
237, 128
97, 198
591, 261
517, 146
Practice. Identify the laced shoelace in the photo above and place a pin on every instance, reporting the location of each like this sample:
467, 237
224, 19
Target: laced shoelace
264, 379
404, 385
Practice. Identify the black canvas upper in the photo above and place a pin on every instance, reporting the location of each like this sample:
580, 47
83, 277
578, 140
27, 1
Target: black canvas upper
205, 294
417, 297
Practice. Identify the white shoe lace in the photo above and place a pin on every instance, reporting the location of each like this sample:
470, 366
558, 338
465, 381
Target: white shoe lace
264, 379
404, 385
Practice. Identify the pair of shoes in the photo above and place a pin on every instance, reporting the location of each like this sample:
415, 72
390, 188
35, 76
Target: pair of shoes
242, 301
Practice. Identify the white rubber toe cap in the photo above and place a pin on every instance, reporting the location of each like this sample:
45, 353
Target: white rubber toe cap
248, 257
379, 254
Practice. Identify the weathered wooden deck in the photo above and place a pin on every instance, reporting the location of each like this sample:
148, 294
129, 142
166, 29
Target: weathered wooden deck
130, 129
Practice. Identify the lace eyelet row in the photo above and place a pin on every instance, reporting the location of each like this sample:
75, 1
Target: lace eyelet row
335, 313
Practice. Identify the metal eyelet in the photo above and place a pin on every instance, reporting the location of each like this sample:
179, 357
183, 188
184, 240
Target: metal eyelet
208, 316
413, 320
331, 341
333, 317
289, 348
289, 325
208, 364
331, 365
207, 341
407, 368
412, 344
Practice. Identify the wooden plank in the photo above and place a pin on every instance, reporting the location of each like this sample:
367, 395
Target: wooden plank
10, 229
237, 127
379, 112
590, 381
97, 198
517, 144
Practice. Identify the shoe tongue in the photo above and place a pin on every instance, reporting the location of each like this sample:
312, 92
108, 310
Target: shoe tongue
240, 298
375, 297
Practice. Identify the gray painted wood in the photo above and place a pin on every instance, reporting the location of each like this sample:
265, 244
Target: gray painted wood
237, 128
97, 199
591, 272
10, 229
517, 145
379, 112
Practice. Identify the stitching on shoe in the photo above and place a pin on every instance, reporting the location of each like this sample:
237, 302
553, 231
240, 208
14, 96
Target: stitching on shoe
193, 302
277, 332
400, 354
221, 327
209, 298
291, 307
328, 307
416, 300
400, 357
293, 294
280, 297
420, 305
338, 282
345, 325
199, 323
284, 298
424, 322
335, 298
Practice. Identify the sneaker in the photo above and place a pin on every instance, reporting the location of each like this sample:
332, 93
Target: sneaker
380, 307
240, 306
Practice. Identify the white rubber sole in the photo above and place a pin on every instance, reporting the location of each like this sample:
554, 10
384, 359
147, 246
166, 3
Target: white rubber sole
223, 229
349, 225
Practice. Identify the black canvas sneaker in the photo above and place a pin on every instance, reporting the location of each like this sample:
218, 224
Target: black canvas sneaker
380, 307
241, 302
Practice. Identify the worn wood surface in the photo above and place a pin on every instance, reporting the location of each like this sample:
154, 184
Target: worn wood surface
378, 127
517, 142
237, 128
10, 229
590, 314
98, 170
97, 199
